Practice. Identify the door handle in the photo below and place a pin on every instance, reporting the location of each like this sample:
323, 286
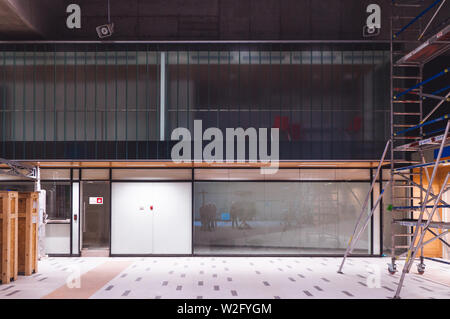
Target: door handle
84, 216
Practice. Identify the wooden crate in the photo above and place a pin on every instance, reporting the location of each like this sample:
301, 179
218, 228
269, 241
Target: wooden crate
28, 233
8, 236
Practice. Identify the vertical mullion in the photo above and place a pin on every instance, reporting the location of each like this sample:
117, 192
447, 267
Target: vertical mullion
208, 86
311, 101
188, 115
24, 115
44, 117
106, 110
75, 102
332, 101
321, 104
14, 103
137, 103
363, 99
158, 97
355, 106
4, 105
85, 99
116, 142
280, 84
55, 113
65, 101
239, 88
34, 100
261, 107
373, 100
291, 101
218, 94
126, 105
341, 94
147, 129
95, 99
178, 84
249, 86
300, 91
230, 90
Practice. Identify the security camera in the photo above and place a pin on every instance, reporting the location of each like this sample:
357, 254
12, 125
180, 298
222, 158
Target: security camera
106, 30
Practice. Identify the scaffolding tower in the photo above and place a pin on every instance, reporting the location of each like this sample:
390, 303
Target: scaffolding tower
413, 204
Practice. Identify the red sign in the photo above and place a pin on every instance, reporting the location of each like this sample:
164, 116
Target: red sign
95, 200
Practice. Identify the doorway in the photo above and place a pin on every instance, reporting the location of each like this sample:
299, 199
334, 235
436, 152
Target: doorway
95, 220
151, 218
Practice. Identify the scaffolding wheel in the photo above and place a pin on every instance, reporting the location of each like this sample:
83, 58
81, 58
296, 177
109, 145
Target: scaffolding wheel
421, 268
392, 268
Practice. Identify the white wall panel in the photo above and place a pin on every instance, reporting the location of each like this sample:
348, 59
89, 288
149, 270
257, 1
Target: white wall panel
57, 238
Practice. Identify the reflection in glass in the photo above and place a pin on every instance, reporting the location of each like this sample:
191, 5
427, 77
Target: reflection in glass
277, 217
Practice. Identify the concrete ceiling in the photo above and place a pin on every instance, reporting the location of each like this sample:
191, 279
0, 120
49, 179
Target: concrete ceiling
199, 19
27, 19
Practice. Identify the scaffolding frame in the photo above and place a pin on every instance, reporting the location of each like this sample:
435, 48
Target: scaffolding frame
407, 96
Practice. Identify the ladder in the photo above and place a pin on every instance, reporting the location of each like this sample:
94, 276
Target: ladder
412, 205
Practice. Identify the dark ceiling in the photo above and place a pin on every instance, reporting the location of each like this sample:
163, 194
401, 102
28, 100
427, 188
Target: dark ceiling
199, 19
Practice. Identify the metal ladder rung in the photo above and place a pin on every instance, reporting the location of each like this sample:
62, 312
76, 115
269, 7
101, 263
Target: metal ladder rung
402, 161
402, 246
403, 77
406, 101
403, 235
405, 113
406, 197
398, 173
404, 89
408, 150
407, 65
404, 125
407, 137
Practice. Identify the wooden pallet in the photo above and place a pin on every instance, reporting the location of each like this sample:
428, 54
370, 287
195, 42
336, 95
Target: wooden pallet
28, 233
8, 236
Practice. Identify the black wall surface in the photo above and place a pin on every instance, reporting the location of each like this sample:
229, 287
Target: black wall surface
225, 19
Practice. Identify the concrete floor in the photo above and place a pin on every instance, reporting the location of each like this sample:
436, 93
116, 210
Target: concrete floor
224, 277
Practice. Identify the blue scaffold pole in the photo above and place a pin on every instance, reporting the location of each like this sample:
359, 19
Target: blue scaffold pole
426, 134
415, 19
420, 165
441, 118
445, 71
441, 90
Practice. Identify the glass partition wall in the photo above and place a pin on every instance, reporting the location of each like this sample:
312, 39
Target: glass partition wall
300, 217
122, 101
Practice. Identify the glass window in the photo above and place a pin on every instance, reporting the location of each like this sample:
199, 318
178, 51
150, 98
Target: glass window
95, 174
277, 217
54, 174
58, 197
58, 200
151, 174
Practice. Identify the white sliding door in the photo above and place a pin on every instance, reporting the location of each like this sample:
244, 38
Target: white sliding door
151, 218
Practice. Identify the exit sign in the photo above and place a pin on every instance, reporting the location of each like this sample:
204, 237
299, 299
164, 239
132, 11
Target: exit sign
96, 200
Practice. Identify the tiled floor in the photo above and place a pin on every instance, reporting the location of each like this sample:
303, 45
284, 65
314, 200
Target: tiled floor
233, 277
